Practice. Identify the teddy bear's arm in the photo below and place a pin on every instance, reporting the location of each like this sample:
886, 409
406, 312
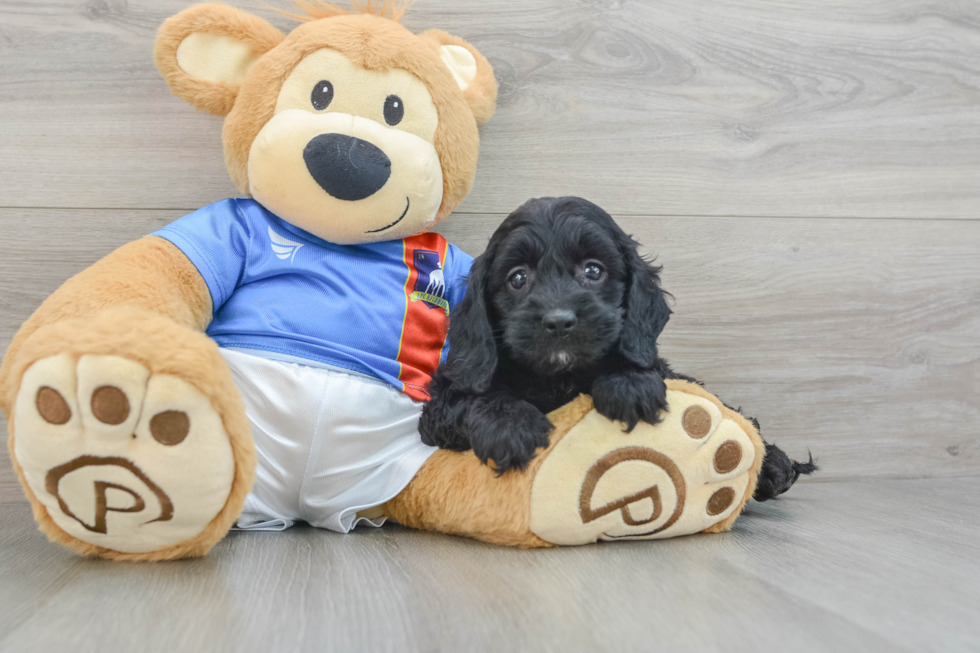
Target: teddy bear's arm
150, 273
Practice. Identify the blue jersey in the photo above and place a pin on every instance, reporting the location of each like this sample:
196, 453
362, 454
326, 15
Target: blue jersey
380, 309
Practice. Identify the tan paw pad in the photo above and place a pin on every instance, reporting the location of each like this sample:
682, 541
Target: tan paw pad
119, 458
678, 477
51, 406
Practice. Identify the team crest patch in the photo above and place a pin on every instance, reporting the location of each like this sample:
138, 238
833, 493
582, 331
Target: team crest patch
430, 284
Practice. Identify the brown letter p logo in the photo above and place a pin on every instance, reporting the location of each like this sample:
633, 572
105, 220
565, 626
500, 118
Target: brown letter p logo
100, 475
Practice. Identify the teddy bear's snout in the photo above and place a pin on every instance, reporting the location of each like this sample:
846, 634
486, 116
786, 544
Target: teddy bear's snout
347, 168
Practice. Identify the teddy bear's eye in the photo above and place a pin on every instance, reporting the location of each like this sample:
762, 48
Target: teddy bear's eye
322, 95
394, 110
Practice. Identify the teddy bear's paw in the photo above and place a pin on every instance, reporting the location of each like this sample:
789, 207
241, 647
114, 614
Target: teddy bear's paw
120, 458
684, 475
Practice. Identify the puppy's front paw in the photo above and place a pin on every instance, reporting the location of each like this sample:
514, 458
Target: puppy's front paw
510, 437
630, 397
438, 427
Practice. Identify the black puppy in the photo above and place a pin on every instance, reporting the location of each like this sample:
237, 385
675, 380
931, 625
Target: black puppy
561, 303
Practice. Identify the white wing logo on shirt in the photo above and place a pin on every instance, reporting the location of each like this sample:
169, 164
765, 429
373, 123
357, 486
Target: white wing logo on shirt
283, 247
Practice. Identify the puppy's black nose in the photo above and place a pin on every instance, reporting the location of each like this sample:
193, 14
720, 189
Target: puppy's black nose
347, 167
559, 321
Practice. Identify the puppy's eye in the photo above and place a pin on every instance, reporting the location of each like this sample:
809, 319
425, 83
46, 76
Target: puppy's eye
322, 95
394, 110
593, 271
517, 279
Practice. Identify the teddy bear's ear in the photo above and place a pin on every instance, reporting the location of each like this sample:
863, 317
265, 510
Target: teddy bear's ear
470, 69
205, 51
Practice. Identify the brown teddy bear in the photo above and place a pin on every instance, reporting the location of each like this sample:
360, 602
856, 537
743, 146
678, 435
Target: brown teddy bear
264, 359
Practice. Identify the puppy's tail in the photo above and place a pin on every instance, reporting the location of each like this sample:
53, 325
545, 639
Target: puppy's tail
779, 473
806, 468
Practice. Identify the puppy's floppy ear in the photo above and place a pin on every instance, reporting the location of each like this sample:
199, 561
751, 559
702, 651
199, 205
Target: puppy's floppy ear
472, 349
646, 310
205, 51
471, 70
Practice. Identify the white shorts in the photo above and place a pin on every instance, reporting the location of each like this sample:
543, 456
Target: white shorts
329, 442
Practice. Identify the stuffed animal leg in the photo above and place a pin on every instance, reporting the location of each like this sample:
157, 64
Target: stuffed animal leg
692, 472
126, 429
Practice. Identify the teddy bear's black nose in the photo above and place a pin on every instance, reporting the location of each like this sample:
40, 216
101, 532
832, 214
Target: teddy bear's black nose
347, 168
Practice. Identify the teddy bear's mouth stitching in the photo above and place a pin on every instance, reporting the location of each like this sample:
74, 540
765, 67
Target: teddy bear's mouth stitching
400, 218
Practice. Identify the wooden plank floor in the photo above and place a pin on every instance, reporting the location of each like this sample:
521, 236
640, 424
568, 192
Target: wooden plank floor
849, 566
807, 171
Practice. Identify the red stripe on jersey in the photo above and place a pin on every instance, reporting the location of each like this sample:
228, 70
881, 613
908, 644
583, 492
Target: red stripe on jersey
426, 319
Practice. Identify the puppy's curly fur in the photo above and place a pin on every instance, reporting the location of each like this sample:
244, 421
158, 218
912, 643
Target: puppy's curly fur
561, 303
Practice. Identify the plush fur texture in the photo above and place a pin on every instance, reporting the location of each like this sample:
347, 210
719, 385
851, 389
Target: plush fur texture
220, 20
149, 283
146, 302
376, 44
455, 492
746, 424
317, 9
163, 347
481, 94
510, 362
150, 273
370, 41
